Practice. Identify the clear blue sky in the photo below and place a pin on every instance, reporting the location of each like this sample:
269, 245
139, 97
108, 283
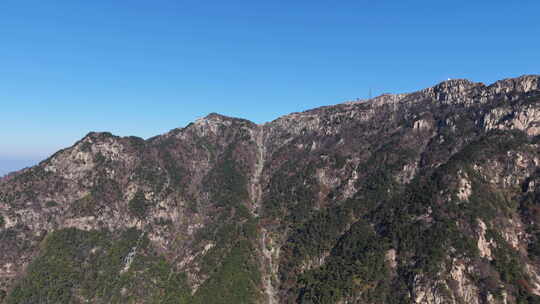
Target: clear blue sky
144, 67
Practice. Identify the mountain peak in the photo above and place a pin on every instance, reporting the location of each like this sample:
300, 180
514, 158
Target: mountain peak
349, 191
215, 115
454, 86
216, 118
98, 135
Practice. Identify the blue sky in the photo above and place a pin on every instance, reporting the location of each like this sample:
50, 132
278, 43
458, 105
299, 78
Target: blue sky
144, 67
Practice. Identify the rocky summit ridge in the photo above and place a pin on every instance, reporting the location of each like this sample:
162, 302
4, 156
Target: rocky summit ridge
425, 197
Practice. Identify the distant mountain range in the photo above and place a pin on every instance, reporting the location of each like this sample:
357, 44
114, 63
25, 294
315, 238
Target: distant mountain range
427, 197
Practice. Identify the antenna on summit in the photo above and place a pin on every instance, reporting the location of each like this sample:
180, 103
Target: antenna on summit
369, 93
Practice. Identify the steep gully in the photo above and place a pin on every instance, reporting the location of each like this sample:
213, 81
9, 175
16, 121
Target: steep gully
269, 263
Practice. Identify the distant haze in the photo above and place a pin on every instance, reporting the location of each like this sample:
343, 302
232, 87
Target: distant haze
10, 165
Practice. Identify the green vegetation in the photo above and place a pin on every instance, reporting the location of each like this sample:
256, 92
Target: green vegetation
151, 176
103, 191
231, 264
423, 242
409, 218
293, 192
86, 147
226, 183
356, 266
312, 240
138, 205
85, 206
50, 204
511, 270
234, 281
100, 159
51, 277
174, 170
32, 175
91, 265
325, 232
137, 143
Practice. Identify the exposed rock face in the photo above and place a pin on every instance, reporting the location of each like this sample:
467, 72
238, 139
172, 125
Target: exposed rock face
427, 197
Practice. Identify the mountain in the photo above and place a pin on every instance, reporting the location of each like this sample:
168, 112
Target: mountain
426, 197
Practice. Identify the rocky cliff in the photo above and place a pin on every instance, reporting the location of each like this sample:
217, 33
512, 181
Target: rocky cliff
426, 197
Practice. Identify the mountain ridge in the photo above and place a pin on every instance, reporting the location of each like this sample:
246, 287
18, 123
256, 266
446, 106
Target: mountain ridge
350, 203
524, 83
